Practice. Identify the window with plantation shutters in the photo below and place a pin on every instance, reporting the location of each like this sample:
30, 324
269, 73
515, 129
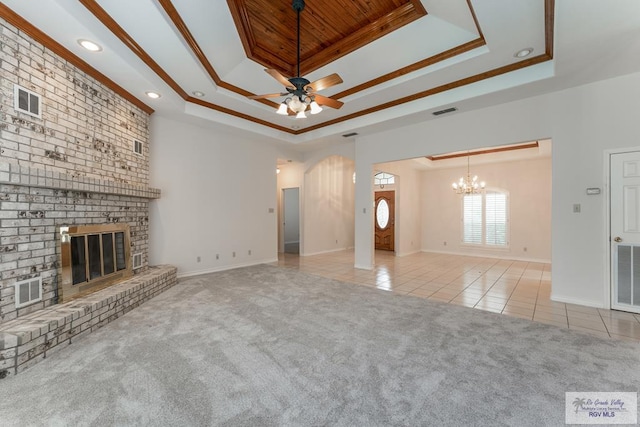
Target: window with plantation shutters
472, 218
495, 222
485, 219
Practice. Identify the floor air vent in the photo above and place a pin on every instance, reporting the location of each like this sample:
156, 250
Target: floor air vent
28, 291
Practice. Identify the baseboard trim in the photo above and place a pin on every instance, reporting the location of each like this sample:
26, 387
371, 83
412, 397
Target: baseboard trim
324, 252
494, 256
577, 301
226, 267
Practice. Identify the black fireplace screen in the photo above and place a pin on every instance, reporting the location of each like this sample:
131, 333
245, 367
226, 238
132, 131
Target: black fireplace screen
92, 257
97, 255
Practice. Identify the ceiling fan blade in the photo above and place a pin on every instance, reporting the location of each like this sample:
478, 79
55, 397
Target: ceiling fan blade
279, 77
268, 95
329, 102
324, 83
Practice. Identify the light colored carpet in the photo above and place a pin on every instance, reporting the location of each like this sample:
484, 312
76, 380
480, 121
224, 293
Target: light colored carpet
263, 346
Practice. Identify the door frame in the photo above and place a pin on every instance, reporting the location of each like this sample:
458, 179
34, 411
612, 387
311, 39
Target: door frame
608, 279
282, 219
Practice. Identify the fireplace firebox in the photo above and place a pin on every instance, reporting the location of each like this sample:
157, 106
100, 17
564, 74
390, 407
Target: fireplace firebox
93, 257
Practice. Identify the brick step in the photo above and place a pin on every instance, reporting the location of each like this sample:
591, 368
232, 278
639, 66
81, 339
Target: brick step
29, 339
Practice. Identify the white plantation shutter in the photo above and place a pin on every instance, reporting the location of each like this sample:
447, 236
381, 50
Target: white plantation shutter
485, 219
495, 219
472, 218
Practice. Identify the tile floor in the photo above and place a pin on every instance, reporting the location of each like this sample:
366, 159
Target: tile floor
514, 288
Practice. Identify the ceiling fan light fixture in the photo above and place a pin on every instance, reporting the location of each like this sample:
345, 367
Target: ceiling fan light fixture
315, 108
283, 109
302, 92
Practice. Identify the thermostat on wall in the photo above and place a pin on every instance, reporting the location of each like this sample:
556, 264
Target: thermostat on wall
592, 191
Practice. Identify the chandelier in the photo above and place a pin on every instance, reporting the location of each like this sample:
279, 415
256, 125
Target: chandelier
469, 185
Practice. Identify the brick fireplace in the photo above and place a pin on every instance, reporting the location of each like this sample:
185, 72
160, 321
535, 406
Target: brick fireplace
81, 158
74, 164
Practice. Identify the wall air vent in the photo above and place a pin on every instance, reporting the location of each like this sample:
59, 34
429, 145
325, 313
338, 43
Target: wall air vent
137, 261
347, 135
28, 291
137, 147
26, 101
445, 111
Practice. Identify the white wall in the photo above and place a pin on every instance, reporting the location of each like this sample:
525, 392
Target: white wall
582, 122
528, 183
408, 189
217, 192
328, 206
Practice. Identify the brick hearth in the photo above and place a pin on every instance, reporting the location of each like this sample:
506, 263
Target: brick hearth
32, 338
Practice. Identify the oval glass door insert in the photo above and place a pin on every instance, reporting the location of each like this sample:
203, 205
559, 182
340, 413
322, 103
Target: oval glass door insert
382, 213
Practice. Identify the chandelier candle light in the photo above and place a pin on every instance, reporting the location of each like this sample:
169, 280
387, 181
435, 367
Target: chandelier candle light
468, 185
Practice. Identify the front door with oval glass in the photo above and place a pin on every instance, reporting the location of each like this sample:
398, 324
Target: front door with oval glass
385, 220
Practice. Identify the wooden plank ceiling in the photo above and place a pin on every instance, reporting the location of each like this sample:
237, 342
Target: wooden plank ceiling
268, 29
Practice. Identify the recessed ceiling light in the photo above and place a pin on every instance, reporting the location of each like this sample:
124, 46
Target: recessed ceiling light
295, 127
153, 95
197, 93
89, 45
523, 52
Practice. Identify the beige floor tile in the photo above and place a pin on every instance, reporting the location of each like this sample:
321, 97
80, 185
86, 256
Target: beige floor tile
560, 324
551, 309
448, 291
482, 283
490, 305
623, 327
581, 309
585, 324
494, 298
543, 316
549, 303
473, 293
519, 309
517, 314
441, 298
464, 302
515, 303
614, 314
601, 334
422, 292
498, 294
523, 298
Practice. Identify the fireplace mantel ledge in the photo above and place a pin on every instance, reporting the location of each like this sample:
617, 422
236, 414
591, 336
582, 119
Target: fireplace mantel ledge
13, 174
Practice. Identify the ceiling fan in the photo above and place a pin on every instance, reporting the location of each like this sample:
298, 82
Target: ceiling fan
300, 92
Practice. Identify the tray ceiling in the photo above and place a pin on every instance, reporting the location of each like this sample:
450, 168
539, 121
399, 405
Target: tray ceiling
397, 58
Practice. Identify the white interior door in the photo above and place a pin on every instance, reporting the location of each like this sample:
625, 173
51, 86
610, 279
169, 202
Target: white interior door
625, 231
